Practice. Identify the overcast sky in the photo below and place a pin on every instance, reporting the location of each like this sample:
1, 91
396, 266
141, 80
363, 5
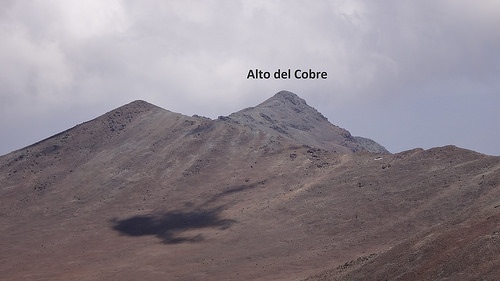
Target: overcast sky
405, 73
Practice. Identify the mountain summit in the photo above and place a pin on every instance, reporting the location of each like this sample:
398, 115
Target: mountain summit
290, 116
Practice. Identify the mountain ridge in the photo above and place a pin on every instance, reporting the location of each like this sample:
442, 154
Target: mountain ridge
285, 114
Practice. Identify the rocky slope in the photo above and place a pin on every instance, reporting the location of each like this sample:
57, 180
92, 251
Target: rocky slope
288, 115
142, 193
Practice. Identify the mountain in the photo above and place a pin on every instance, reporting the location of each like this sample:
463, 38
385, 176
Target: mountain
287, 115
143, 193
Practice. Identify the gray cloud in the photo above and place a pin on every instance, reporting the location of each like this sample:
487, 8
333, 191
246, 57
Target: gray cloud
406, 73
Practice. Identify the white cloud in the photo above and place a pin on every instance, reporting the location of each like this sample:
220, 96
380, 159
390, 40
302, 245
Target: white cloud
84, 20
37, 72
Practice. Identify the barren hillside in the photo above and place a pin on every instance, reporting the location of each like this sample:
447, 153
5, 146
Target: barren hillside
273, 192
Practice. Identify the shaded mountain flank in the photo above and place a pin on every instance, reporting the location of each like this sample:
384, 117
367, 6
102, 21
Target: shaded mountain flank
273, 192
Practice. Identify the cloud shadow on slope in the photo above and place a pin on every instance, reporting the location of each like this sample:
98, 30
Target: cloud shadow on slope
169, 226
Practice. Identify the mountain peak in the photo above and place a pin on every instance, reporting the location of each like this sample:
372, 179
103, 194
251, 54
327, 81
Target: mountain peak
286, 96
290, 108
290, 116
139, 105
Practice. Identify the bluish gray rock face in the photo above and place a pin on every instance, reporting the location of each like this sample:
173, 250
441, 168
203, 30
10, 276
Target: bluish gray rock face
289, 116
371, 145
